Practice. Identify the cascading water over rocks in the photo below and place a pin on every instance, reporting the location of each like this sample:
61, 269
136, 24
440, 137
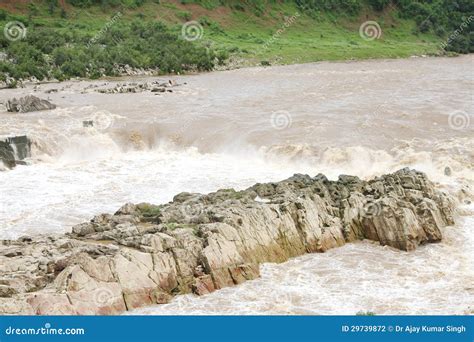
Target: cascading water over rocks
145, 254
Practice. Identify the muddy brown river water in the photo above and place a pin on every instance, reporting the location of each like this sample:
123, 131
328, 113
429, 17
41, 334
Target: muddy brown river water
235, 128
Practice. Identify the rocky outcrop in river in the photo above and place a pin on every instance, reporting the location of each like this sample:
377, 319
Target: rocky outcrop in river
145, 254
28, 103
14, 150
133, 87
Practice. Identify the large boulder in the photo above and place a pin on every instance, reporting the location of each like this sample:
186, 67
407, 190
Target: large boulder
28, 103
7, 155
145, 254
14, 150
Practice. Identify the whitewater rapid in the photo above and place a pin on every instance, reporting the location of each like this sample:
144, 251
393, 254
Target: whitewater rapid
357, 278
234, 129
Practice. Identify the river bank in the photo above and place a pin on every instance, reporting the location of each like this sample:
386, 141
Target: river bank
123, 37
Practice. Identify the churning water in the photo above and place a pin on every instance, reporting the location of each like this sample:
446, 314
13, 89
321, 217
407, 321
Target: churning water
235, 128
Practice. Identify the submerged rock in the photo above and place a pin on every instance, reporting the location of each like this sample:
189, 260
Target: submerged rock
14, 150
145, 254
28, 103
7, 155
138, 87
88, 123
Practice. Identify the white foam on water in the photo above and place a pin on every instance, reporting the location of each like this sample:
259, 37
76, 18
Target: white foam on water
429, 157
435, 279
93, 176
76, 173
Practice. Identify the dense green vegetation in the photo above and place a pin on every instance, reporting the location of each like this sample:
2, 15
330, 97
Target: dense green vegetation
92, 38
67, 50
441, 17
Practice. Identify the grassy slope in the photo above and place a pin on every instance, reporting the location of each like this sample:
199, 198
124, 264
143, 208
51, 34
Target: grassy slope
328, 37
307, 39
310, 39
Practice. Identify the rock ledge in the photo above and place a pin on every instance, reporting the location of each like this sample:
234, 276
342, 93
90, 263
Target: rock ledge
145, 254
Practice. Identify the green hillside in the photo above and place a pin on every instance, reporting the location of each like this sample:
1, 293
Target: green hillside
94, 38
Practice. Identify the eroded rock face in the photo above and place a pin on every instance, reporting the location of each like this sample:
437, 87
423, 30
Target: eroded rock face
28, 103
7, 154
145, 254
14, 150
